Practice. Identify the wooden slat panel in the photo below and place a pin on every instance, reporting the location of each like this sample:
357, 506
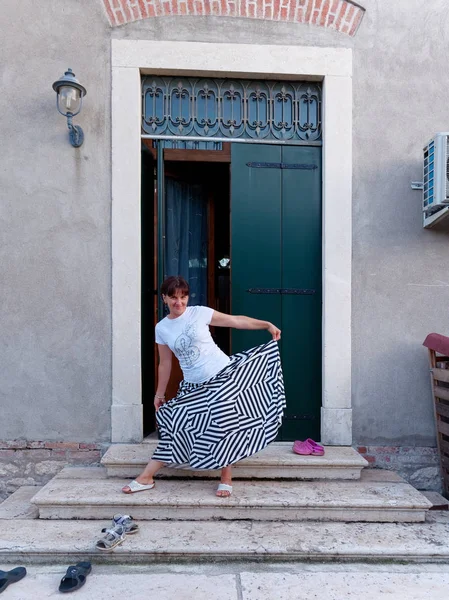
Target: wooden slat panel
441, 374
444, 447
442, 443
443, 427
445, 462
442, 409
441, 392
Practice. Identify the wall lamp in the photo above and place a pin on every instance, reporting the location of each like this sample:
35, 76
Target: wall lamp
69, 100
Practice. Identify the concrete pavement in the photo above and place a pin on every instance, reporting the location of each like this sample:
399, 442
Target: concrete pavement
237, 581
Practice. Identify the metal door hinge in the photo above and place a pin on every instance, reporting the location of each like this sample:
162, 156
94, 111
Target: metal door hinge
284, 291
276, 165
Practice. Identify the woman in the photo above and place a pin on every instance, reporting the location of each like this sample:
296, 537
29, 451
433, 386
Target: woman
226, 408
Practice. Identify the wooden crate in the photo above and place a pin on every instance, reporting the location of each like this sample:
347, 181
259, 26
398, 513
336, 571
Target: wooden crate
438, 347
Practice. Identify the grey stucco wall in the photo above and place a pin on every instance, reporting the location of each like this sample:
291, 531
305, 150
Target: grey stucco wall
401, 287
55, 367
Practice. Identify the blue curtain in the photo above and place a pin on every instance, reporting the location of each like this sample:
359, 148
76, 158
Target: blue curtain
186, 236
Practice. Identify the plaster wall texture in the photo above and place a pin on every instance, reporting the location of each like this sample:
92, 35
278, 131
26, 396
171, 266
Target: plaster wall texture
55, 345
401, 284
56, 225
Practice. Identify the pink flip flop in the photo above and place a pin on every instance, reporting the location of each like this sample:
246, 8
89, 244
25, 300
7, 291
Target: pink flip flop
303, 448
308, 447
318, 448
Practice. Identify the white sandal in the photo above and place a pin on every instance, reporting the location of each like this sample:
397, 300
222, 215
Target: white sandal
224, 487
125, 521
112, 538
135, 486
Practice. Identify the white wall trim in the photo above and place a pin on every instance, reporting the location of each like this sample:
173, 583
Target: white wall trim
126, 409
334, 65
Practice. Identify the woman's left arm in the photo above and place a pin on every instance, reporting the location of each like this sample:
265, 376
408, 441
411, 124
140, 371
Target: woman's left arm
240, 322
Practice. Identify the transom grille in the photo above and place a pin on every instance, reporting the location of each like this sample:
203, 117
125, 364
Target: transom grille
232, 109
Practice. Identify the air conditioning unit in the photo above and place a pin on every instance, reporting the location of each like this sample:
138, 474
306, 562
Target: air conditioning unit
436, 174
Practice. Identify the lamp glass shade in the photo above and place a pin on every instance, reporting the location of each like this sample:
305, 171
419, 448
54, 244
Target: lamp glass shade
69, 100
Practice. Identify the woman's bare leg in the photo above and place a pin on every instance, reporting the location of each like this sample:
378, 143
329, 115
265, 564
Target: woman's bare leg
226, 477
146, 477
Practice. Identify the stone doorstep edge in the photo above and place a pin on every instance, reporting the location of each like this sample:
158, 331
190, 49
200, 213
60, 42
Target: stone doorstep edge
252, 464
247, 464
260, 472
143, 513
45, 499
259, 460
56, 542
139, 464
152, 557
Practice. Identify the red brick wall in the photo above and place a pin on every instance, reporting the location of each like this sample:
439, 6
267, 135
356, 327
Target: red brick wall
70, 451
344, 16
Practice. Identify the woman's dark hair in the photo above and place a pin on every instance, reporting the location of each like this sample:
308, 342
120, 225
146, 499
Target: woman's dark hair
174, 284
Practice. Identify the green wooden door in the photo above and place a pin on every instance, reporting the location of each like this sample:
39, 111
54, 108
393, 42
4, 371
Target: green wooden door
276, 266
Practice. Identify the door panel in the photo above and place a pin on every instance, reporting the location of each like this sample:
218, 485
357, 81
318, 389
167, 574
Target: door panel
276, 243
255, 239
301, 269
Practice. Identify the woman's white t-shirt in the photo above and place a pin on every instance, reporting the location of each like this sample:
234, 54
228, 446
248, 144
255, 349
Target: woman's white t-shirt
189, 338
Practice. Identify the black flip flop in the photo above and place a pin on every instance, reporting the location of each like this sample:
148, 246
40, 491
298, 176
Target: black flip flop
7, 577
75, 577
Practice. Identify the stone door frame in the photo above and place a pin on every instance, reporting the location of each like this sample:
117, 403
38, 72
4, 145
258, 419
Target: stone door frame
130, 58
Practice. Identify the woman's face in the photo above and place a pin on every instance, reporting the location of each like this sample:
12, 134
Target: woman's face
176, 303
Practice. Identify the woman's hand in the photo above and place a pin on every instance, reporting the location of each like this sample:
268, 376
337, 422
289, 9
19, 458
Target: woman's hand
158, 402
274, 331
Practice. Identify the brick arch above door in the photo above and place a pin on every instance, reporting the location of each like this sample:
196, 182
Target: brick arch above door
343, 16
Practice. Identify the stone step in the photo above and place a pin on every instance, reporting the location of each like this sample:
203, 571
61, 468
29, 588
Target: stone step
437, 500
277, 461
28, 542
369, 500
18, 505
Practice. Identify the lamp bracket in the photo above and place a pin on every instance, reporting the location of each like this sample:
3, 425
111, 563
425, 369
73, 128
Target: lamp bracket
76, 134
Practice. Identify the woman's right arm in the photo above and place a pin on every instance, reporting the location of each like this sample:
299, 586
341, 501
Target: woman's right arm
163, 372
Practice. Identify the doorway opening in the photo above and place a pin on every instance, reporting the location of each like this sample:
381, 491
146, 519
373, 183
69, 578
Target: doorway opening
243, 226
195, 244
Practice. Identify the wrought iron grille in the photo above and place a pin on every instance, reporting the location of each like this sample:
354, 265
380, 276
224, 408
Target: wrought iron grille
231, 109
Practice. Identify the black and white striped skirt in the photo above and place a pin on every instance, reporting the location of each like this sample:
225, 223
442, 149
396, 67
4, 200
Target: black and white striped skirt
231, 416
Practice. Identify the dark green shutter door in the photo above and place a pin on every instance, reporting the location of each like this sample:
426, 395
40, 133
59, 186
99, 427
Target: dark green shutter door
301, 269
255, 239
276, 249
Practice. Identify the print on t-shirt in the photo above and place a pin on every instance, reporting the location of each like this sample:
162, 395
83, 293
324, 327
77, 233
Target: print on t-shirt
184, 347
